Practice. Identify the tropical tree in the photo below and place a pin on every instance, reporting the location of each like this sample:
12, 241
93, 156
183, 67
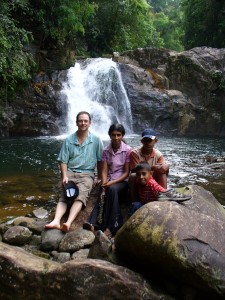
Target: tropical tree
167, 20
120, 25
204, 23
16, 62
60, 22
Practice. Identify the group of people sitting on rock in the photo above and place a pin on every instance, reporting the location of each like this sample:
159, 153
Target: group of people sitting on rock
139, 174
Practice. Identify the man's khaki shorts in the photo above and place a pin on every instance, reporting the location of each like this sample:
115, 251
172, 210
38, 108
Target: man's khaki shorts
84, 181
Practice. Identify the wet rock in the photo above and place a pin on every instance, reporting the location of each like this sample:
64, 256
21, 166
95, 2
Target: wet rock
34, 225
184, 241
4, 227
37, 226
40, 213
35, 240
217, 166
38, 278
76, 240
101, 247
22, 221
196, 75
40, 253
80, 254
61, 257
50, 239
17, 235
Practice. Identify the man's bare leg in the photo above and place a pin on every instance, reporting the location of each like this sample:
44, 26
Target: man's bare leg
60, 211
74, 211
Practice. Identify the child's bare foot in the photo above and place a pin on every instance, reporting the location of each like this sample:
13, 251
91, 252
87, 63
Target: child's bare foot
108, 233
52, 225
65, 227
113, 245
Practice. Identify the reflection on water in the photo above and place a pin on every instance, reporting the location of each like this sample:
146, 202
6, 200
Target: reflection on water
29, 171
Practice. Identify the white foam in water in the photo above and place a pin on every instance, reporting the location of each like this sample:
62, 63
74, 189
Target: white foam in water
96, 86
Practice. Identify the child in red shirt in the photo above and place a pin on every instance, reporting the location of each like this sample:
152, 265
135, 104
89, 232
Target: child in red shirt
147, 189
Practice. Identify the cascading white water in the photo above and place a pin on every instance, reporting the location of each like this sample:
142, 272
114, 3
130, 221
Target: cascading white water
96, 86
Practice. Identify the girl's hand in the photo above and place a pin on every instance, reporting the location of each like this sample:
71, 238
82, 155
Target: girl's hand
109, 183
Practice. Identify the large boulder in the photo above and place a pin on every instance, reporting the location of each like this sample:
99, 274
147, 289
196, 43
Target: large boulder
198, 75
185, 242
25, 276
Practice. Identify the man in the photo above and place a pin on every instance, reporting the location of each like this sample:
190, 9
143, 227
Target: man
78, 157
152, 156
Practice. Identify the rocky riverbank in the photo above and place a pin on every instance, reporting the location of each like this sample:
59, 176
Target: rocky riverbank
165, 250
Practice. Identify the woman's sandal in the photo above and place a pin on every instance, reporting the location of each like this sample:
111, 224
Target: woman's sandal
88, 226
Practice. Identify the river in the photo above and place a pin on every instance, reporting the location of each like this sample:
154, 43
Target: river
29, 172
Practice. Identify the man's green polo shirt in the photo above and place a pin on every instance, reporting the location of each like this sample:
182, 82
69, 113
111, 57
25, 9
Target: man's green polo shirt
81, 158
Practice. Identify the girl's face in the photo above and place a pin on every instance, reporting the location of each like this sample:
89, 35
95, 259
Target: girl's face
143, 176
116, 138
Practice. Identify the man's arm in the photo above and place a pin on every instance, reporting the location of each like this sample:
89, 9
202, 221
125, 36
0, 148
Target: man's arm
134, 160
63, 169
161, 166
99, 169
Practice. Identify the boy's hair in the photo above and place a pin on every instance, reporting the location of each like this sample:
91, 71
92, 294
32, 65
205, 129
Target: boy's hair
142, 165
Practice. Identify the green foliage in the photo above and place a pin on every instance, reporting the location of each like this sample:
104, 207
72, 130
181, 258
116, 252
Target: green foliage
219, 77
98, 27
169, 30
15, 62
120, 25
167, 19
204, 23
60, 21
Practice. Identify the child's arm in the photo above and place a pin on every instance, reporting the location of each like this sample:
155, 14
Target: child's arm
155, 187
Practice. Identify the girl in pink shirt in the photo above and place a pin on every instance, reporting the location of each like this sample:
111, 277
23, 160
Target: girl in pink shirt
115, 170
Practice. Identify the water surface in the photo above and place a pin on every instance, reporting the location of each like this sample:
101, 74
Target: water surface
29, 172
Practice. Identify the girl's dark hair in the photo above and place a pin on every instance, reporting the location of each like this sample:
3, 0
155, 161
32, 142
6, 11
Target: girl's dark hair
117, 127
142, 165
83, 113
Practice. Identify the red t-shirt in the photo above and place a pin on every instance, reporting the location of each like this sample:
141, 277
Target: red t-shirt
149, 192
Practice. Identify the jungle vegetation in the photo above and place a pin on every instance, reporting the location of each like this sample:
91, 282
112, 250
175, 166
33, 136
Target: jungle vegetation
97, 27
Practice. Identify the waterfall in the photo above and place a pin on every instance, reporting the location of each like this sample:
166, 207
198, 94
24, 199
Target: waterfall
96, 86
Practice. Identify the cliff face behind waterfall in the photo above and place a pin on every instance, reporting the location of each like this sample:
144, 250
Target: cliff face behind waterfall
177, 93
180, 93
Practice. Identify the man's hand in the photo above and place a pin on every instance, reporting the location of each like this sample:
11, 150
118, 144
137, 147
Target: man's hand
65, 180
161, 168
